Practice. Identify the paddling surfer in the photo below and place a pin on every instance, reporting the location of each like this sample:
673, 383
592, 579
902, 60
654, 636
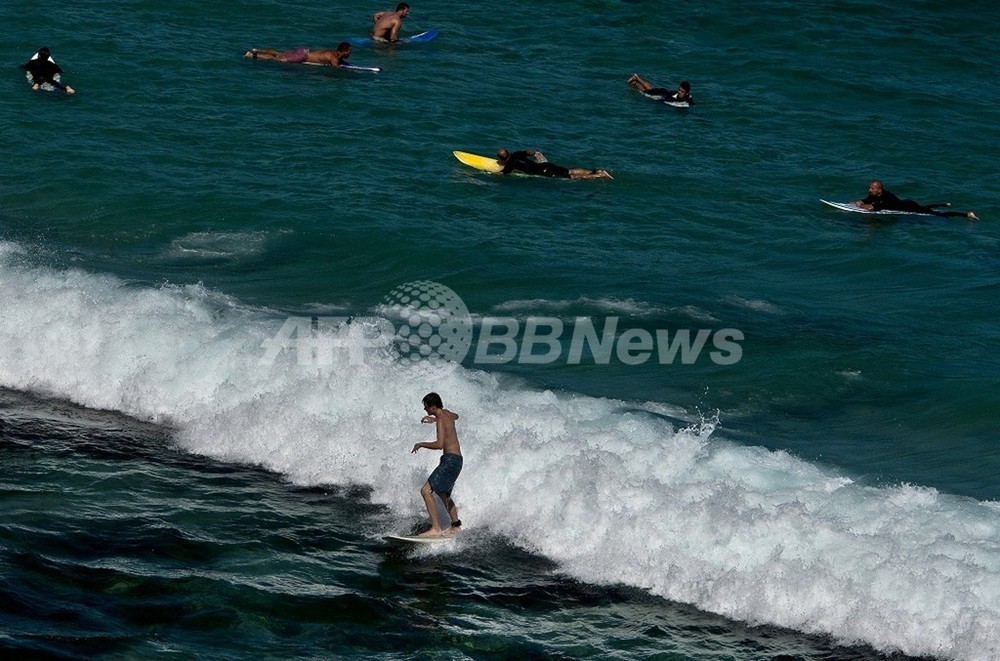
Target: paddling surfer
43, 69
879, 199
387, 23
681, 95
532, 161
442, 480
329, 56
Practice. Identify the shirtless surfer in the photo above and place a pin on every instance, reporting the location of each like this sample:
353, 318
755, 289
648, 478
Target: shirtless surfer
442, 480
329, 56
387, 23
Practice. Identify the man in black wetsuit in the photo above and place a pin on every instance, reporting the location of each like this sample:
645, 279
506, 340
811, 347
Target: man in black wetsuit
43, 69
533, 162
681, 95
879, 199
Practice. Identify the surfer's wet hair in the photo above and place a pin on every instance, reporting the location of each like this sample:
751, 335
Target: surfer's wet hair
401, 6
686, 86
433, 399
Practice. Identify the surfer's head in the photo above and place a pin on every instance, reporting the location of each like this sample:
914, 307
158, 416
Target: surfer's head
344, 47
875, 187
403, 8
44, 52
685, 88
503, 155
432, 400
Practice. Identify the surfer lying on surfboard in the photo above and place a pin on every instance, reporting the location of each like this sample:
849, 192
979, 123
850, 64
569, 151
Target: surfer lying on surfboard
43, 69
329, 56
531, 161
679, 97
879, 199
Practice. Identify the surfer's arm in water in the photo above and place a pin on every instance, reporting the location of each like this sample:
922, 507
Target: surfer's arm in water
329, 56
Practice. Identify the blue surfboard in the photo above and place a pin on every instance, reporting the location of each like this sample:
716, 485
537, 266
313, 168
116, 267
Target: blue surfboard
421, 38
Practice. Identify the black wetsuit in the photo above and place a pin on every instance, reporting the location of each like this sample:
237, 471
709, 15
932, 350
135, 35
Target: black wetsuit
668, 96
520, 161
888, 201
43, 70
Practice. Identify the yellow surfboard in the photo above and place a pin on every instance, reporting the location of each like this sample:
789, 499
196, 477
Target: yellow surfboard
484, 163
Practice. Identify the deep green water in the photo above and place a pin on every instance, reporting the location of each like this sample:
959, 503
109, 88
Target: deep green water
162, 222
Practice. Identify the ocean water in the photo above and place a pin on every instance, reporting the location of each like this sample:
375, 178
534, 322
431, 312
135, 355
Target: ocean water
818, 482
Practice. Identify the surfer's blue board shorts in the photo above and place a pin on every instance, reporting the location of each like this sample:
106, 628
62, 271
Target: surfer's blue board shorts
442, 480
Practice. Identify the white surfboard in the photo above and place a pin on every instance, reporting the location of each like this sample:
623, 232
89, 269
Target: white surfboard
848, 206
413, 539
345, 67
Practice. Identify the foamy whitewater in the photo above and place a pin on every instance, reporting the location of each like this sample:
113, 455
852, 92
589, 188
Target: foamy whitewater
613, 491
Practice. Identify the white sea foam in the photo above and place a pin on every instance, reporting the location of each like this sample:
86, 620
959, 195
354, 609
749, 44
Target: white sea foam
756, 305
584, 305
611, 492
596, 305
217, 245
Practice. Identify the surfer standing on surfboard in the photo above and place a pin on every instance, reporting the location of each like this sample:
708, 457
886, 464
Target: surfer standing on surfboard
879, 199
442, 480
387, 23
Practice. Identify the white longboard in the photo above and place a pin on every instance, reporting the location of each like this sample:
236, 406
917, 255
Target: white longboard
847, 206
345, 67
413, 539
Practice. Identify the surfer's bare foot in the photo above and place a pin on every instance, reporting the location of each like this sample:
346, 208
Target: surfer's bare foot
70, 90
430, 533
972, 215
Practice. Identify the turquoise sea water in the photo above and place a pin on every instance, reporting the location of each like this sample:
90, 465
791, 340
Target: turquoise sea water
830, 494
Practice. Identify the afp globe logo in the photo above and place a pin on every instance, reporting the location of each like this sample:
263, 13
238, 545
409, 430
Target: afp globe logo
434, 328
